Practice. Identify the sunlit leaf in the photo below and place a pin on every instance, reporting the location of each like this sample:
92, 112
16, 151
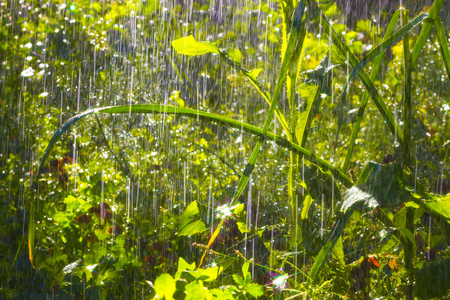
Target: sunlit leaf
234, 54
439, 205
165, 286
254, 289
189, 46
188, 224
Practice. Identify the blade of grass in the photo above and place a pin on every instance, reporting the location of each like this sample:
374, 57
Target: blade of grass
373, 75
260, 89
192, 113
442, 38
376, 97
276, 94
425, 32
394, 38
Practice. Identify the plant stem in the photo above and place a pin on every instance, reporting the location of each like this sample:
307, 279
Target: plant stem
408, 162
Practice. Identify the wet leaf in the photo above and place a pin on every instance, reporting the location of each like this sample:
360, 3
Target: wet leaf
165, 286
433, 280
234, 54
383, 187
189, 46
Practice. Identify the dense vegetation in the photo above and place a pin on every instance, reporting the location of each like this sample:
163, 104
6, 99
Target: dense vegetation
224, 149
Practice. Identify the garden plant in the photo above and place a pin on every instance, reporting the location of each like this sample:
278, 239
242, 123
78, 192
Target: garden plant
165, 159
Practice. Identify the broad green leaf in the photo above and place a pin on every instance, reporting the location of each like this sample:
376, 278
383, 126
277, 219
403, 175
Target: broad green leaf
192, 227
440, 205
190, 211
195, 291
321, 75
383, 187
239, 210
188, 224
433, 280
189, 46
242, 227
255, 290
209, 274
235, 55
238, 279
165, 286
183, 265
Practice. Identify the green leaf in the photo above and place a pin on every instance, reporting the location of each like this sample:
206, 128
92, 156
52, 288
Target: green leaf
208, 274
234, 54
338, 251
425, 31
165, 286
308, 93
195, 291
189, 46
255, 290
433, 280
383, 187
376, 97
245, 273
238, 279
190, 211
440, 205
192, 228
167, 109
321, 75
238, 211
253, 74
183, 265
188, 224
242, 227
407, 233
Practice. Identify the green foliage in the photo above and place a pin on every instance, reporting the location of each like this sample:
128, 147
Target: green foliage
228, 161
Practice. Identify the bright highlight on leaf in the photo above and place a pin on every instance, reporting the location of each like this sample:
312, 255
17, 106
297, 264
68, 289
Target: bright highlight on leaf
235, 55
189, 46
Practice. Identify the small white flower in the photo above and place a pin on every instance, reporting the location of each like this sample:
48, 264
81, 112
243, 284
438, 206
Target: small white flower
27, 72
29, 45
44, 94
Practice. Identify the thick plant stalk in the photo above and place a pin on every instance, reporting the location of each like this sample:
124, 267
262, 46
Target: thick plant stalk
298, 16
407, 161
